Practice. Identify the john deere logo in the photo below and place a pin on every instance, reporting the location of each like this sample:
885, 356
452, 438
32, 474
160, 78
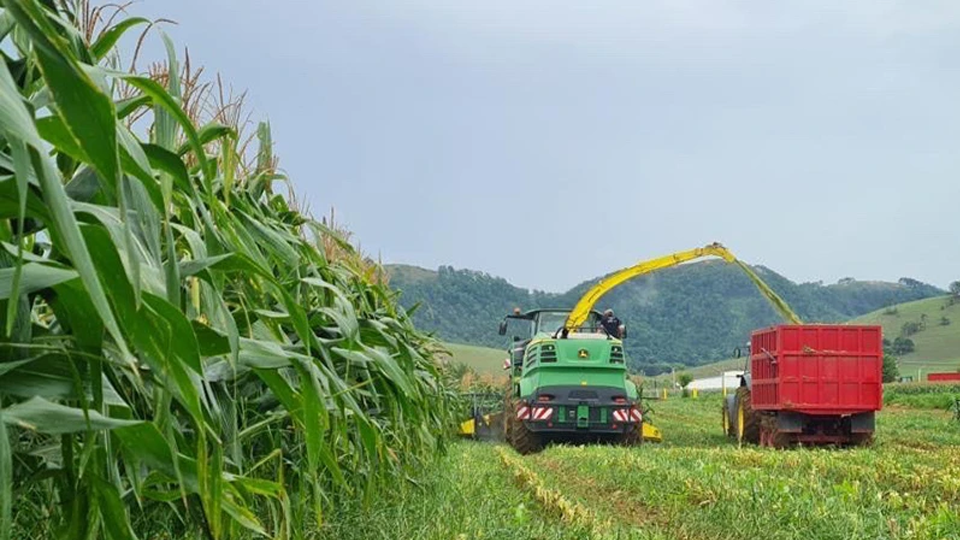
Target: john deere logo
583, 353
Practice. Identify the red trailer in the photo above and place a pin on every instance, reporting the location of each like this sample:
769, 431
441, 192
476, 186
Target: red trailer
943, 377
813, 384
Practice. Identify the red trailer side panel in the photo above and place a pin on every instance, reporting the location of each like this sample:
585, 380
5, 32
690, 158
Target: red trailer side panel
940, 377
817, 369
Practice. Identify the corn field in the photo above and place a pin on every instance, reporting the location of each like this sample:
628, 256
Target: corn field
181, 354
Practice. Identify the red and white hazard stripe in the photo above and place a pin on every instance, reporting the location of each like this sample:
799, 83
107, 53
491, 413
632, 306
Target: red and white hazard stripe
534, 413
541, 413
506, 363
627, 415
523, 412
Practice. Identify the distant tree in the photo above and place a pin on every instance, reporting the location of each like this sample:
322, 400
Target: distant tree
955, 288
910, 328
846, 281
902, 346
910, 282
891, 310
891, 372
684, 380
944, 321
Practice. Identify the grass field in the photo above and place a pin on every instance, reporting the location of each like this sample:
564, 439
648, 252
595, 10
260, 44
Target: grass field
696, 485
938, 346
480, 359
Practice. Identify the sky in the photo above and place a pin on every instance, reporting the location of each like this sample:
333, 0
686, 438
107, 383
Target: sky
550, 141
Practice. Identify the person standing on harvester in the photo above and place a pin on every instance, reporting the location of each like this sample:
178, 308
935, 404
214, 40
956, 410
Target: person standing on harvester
611, 324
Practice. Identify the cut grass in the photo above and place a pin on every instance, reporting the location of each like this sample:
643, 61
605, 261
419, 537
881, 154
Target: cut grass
468, 494
697, 484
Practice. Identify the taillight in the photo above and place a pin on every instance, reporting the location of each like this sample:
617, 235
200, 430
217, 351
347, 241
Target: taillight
544, 398
619, 400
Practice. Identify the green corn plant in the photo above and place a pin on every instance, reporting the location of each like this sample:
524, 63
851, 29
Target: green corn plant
178, 352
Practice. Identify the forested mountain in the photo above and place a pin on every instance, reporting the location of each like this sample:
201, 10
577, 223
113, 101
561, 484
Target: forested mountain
689, 315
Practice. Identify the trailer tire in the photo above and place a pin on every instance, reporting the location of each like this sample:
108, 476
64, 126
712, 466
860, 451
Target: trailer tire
770, 435
862, 439
748, 421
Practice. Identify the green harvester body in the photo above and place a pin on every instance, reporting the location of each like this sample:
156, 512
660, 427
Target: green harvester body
569, 385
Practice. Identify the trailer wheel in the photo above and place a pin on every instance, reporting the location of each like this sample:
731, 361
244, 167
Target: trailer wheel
770, 436
862, 439
748, 421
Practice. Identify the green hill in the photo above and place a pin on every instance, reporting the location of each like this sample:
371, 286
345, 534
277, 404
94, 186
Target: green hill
689, 315
937, 343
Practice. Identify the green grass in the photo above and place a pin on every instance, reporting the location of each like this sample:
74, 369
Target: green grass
480, 359
922, 395
699, 484
468, 495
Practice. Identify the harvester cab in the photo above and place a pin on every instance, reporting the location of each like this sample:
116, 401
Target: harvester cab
544, 324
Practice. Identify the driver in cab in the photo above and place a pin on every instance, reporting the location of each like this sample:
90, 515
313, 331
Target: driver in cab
611, 324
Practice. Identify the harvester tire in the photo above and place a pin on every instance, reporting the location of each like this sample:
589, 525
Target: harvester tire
515, 432
747, 420
633, 436
522, 439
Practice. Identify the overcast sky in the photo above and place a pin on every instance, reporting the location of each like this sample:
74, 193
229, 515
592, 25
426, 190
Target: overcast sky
549, 142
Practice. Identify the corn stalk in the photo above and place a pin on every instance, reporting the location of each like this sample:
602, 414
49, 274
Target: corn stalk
176, 352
